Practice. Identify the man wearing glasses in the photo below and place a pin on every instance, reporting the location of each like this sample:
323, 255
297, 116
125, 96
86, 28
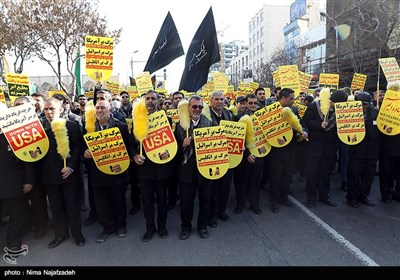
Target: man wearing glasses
190, 179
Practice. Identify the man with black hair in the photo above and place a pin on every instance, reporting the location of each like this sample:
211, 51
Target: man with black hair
363, 156
321, 149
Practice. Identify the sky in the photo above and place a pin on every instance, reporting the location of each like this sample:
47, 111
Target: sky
141, 21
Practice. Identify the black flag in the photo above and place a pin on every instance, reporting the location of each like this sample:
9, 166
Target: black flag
167, 47
203, 52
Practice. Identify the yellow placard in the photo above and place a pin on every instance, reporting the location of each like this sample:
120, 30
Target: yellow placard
254, 86
267, 92
329, 80
132, 91
24, 132
112, 86
108, 149
143, 82
350, 122
390, 69
18, 85
305, 80
261, 146
89, 94
301, 109
276, 129
220, 81
235, 136
99, 57
52, 92
289, 78
275, 76
211, 152
388, 120
160, 144
173, 114
2, 97
358, 81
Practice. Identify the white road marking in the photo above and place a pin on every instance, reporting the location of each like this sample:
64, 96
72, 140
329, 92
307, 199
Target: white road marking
351, 247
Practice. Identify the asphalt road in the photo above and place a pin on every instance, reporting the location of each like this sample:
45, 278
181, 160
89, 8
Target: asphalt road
319, 237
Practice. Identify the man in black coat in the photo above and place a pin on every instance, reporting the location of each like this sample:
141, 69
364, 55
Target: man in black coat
16, 179
321, 149
61, 182
221, 187
363, 157
153, 181
191, 181
282, 161
109, 190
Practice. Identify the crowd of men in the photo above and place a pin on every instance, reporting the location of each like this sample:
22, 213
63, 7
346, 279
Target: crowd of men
26, 188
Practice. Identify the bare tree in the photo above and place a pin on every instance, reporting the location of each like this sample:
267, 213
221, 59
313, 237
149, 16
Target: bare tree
22, 38
373, 32
279, 57
62, 27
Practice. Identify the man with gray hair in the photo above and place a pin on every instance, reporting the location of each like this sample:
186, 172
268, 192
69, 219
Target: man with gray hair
221, 187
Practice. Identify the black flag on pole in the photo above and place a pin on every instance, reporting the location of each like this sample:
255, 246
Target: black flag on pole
167, 46
203, 52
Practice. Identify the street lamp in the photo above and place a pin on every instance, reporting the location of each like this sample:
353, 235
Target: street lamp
132, 61
337, 38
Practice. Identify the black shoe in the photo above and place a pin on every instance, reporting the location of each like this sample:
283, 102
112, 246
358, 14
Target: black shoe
134, 210
203, 233
213, 223
238, 209
40, 234
184, 234
163, 233
344, 187
148, 235
310, 203
103, 237
274, 208
170, 206
329, 202
57, 241
352, 203
83, 206
121, 233
287, 203
89, 221
256, 211
80, 241
223, 217
367, 202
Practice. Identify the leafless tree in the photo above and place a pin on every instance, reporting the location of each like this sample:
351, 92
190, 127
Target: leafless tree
54, 31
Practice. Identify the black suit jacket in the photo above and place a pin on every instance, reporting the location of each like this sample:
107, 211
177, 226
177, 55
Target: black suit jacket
13, 172
320, 140
52, 163
100, 179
